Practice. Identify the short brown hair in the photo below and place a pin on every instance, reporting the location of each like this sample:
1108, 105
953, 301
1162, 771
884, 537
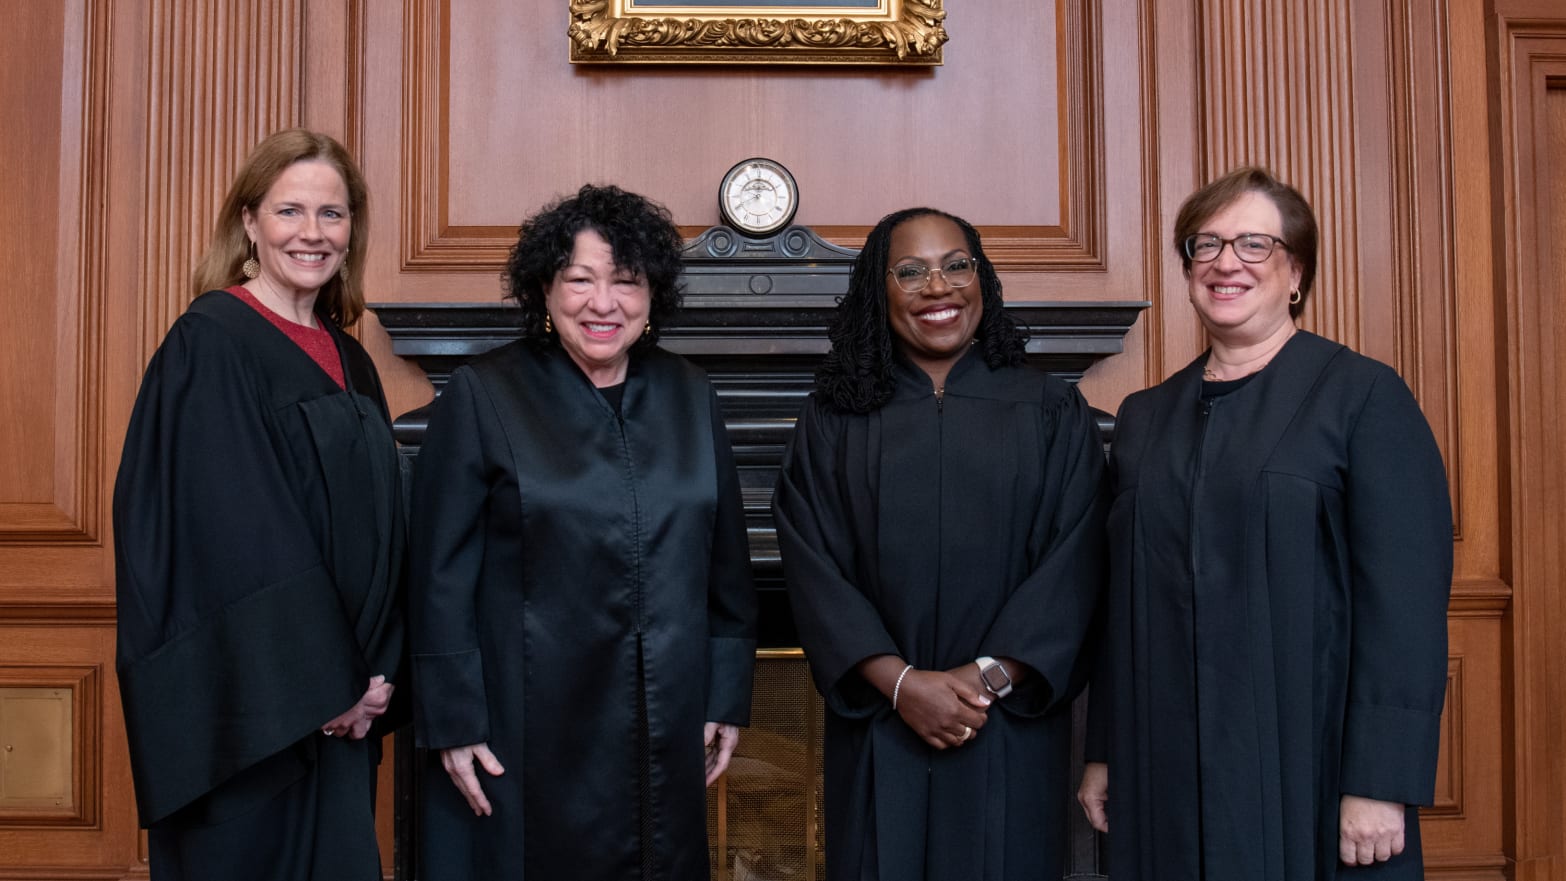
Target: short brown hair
1299, 221
341, 299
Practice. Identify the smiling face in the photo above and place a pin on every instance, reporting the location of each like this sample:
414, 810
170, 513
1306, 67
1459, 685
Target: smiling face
1240, 302
598, 309
301, 230
935, 326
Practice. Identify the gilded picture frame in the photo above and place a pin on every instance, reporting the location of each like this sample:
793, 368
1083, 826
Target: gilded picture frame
867, 32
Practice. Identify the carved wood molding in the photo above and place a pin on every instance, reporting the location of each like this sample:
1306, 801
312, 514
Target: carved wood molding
1276, 89
1422, 263
74, 873
1449, 773
221, 76
353, 123
1466, 867
56, 608
433, 241
1479, 598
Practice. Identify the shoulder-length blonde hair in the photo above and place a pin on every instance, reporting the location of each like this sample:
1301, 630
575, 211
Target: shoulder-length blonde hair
341, 299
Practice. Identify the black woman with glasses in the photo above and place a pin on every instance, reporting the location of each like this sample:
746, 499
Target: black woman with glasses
940, 513
1280, 564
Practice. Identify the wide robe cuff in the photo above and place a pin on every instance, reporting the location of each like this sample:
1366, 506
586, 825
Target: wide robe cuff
217, 699
730, 664
1389, 753
449, 705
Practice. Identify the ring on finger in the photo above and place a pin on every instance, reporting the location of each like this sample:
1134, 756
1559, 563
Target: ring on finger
967, 732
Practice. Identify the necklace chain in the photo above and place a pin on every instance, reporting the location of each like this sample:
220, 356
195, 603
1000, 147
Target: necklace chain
1212, 376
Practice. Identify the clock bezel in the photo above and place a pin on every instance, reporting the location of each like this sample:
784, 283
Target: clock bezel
731, 218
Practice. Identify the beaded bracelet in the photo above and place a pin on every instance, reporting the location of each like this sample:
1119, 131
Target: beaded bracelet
898, 687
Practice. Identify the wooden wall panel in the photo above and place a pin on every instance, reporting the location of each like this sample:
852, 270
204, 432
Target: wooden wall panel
1532, 98
1463, 833
96, 838
222, 75
51, 344
1277, 90
498, 124
1420, 255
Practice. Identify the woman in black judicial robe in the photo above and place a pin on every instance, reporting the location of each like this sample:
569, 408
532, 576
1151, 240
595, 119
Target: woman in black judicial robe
258, 536
584, 617
940, 515
1281, 556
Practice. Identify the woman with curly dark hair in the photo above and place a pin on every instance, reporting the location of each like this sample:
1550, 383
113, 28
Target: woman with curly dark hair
941, 520
584, 617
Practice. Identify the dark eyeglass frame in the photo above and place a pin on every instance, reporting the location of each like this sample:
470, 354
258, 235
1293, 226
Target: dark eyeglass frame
1189, 246
923, 281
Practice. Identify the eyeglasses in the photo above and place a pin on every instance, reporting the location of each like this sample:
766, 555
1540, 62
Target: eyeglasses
959, 272
1250, 247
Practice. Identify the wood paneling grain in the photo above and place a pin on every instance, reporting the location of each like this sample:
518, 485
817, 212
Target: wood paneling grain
1449, 776
222, 75
1421, 253
1277, 89
51, 343
495, 126
96, 837
1532, 61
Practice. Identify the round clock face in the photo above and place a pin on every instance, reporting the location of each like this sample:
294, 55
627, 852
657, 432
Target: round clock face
758, 197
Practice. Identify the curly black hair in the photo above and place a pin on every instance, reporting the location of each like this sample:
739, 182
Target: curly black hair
857, 375
641, 233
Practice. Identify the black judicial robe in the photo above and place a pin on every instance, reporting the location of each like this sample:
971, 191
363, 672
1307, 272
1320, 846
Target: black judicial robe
258, 538
1281, 562
942, 531
582, 601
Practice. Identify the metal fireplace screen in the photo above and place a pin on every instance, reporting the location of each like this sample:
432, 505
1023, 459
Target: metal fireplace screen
764, 815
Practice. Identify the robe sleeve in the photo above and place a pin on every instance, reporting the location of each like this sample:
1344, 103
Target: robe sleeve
233, 642
1051, 620
1399, 544
838, 625
731, 593
450, 488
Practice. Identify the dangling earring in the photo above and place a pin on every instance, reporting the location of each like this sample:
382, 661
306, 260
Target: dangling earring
342, 269
251, 267
647, 329
549, 326
1294, 297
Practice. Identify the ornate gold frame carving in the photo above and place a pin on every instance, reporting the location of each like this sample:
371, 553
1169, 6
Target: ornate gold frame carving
897, 32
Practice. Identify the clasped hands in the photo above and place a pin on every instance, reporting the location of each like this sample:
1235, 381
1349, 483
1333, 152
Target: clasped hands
355, 723
718, 738
946, 708
1369, 831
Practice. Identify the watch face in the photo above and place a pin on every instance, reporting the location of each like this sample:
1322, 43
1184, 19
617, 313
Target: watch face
995, 678
758, 196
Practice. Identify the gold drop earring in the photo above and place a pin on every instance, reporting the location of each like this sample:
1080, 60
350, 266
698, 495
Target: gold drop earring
251, 267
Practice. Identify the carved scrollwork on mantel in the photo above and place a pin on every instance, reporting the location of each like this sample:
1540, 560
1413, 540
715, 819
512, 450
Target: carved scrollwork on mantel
900, 32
